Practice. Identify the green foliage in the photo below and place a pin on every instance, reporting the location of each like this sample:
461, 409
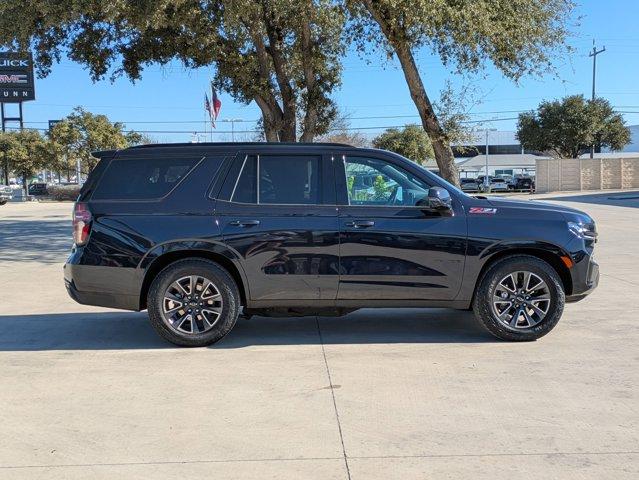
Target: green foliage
519, 37
285, 55
568, 127
411, 142
26, 151
82, 132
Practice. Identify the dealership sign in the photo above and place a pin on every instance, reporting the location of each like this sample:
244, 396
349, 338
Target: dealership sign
16, 77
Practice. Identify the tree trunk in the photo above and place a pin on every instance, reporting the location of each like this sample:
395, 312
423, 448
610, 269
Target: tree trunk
288, 130
430, 123
24, 185
311, 114
6, 171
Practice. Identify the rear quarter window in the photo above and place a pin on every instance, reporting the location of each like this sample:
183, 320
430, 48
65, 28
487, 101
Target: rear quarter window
143, 178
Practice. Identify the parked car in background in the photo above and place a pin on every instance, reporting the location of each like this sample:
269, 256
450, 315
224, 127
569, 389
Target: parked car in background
495, 184
469, 185
6, 194
498, 185
197, 233
522, 182
38, 189
507, 177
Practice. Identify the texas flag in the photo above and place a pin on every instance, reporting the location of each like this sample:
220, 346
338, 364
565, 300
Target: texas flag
213, 106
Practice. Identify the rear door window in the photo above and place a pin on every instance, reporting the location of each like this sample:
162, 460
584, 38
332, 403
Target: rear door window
142, 179
282, 180
289, 180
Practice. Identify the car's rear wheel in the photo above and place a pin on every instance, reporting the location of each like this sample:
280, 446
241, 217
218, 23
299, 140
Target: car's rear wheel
193, 303
519, 298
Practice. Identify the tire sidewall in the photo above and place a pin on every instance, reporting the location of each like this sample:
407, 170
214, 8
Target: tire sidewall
223, 282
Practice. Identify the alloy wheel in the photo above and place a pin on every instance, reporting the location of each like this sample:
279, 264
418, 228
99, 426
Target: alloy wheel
521, 300
192, 305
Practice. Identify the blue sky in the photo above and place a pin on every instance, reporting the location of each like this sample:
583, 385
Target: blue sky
174, 95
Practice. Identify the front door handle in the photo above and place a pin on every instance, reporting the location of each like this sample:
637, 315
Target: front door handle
361, 224
244, 223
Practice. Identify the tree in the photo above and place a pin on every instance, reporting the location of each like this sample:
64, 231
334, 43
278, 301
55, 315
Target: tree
27, 152
411, 142
284, 55
518, 36
82, 132
568, 127
7, 144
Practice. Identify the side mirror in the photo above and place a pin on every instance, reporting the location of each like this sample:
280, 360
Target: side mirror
439, 198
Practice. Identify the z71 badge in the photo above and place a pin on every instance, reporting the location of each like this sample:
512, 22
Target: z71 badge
482, 210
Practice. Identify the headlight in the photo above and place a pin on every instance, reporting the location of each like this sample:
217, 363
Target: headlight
583, 230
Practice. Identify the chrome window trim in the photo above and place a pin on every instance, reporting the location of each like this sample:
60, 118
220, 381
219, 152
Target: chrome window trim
237, 180
257, 182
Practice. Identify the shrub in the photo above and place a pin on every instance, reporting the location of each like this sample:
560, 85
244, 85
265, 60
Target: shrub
63, 193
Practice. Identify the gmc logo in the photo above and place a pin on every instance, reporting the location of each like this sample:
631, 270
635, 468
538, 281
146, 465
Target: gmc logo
14, 63
13, 78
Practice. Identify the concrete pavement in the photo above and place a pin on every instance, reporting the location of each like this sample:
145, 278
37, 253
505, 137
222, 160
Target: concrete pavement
94, 393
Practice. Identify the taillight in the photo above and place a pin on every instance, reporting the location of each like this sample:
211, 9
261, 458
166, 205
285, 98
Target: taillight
81, 223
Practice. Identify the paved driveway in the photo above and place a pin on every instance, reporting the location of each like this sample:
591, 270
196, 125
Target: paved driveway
392, 394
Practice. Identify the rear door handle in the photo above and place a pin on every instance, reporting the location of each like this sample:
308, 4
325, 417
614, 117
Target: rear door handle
244, 223
361, 224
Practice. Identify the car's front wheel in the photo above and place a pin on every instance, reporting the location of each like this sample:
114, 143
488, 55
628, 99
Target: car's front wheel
519, 298
193, 303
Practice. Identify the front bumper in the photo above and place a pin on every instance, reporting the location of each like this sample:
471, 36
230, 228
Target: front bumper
585, 278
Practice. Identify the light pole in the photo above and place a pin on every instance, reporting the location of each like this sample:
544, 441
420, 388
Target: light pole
232, 122
486, 181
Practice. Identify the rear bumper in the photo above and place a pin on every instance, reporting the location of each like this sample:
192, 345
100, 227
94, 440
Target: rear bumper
102, 299
111, 287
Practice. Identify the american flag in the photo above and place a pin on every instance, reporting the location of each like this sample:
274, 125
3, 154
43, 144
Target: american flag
212, 107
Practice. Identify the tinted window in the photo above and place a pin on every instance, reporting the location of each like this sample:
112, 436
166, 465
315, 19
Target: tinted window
141, 179
371, 181
292, 180
246, 187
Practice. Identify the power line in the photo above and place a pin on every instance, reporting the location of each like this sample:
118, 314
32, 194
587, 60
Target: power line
379, 127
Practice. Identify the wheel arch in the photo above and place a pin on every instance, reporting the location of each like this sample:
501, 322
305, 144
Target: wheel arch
223, 257
549, 253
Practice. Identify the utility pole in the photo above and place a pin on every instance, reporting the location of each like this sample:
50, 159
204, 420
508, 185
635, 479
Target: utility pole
6, 160
486, 181
594, 54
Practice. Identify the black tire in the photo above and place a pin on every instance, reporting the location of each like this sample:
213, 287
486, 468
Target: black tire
489, 281
207, 269
3, 202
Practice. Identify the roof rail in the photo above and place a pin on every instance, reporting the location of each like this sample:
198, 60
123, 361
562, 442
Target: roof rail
239, 144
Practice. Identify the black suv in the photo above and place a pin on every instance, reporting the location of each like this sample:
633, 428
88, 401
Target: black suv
195, 233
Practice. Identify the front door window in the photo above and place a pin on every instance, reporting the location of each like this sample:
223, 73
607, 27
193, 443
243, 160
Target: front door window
374, 182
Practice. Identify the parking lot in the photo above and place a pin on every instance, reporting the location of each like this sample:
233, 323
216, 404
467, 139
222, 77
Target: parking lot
87, 392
